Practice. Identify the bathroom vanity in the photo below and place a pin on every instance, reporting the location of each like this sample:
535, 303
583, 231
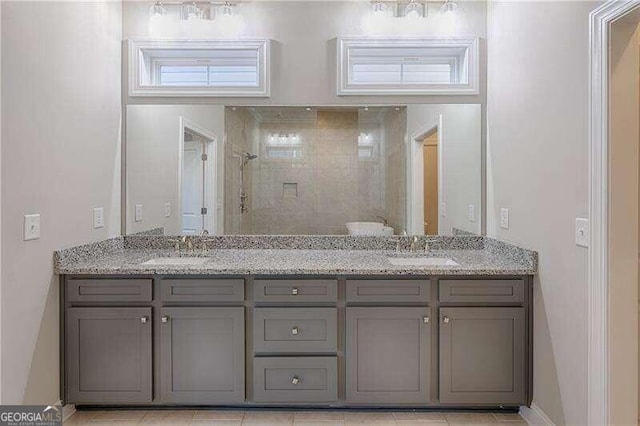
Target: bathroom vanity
298, 327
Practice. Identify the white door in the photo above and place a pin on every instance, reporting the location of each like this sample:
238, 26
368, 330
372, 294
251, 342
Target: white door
192, 188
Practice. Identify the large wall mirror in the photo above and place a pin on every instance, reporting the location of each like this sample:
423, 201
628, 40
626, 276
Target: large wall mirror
384, 170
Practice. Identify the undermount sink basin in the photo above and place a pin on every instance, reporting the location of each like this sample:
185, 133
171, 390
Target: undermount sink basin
421, 261
369, 228
178, 261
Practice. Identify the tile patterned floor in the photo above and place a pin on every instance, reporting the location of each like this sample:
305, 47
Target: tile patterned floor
291, 418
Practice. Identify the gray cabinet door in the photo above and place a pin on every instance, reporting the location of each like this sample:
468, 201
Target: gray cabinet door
482, 356
202, 355
108, 355
388, 355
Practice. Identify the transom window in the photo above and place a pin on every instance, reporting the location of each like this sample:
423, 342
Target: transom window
201, 68
407, 66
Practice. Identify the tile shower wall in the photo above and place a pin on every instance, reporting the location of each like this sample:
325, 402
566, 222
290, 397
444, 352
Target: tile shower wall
339, 172
395, 133
241, 130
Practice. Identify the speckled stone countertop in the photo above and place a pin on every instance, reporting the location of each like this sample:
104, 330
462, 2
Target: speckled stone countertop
298, 256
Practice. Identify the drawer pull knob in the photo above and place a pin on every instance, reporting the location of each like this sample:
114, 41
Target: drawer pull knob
165, 319
446, 320
295, 380
144, 320
294, 291
295, 330
425, 320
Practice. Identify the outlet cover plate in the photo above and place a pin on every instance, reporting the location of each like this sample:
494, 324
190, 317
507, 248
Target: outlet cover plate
98, 217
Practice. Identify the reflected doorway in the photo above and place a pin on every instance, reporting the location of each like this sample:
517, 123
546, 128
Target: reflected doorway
197, 187
430, 158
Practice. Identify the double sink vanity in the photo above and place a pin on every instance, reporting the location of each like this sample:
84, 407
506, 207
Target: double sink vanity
297, 321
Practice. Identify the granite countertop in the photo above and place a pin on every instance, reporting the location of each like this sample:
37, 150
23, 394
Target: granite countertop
298, 256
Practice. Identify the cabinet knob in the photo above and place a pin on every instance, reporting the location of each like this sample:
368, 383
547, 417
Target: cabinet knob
165, 318
144, 320
295, 330
446, 320
425, 320
294, 291
295, 380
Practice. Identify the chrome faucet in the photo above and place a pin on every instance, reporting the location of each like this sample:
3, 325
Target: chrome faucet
385, 222
414, 243
185, 241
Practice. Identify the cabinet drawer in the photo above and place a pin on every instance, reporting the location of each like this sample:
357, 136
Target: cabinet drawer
410, 291
295, 379
202, 290
300, 330
295, 290
114, 290
482, 291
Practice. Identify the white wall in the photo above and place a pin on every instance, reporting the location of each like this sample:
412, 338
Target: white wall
462, 160
60, 158
153, 163
537, 155
303, 49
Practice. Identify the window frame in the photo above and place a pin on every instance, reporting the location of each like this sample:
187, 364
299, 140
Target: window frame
469, 65
143, 68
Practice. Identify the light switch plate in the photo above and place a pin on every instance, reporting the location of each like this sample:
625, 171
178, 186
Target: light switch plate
582, 232
472, 213
504, 218
444, 209
31, 227
98, 217
138, 213
167, 209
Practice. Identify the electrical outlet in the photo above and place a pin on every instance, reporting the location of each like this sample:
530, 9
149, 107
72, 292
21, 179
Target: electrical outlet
98, 217
31, 227
472, 213
444, 209
138, 214
167, 209
504, 218
582, 232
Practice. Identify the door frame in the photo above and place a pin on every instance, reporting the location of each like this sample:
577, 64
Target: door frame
415, 178
211, 171
598, 368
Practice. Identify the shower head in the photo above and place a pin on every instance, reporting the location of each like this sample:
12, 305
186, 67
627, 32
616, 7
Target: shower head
249, 156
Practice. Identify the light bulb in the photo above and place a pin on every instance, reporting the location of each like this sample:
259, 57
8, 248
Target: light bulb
157, 10
449, 6
190, 11
379, 7
226, 9
414, 10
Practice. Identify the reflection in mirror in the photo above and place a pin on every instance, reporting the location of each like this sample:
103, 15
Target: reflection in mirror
206, 169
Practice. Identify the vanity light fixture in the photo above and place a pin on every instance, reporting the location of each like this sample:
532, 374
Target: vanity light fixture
449, 6
414, 9
379, 7
227, 9
157, 9
191, 11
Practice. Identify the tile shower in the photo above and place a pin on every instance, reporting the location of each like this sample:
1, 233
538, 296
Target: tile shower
316, 170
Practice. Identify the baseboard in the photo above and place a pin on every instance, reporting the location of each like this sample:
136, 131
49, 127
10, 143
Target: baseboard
535, 416
67, 411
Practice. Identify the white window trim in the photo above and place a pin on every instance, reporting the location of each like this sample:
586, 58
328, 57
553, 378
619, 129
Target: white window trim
136, 58
469, 88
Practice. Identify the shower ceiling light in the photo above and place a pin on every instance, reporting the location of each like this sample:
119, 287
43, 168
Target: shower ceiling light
414, 9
